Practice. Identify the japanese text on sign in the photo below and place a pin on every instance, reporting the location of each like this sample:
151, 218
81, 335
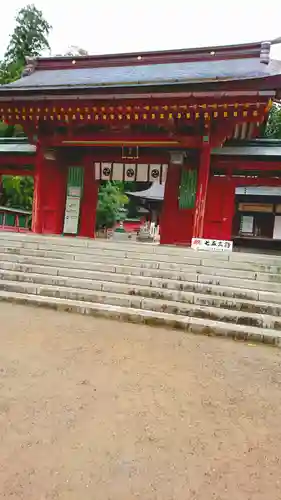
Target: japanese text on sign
212, 245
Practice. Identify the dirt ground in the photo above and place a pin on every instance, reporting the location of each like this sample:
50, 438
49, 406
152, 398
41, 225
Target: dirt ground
93, 409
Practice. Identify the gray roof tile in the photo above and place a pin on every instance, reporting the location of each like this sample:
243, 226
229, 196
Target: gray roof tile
122, 76
249, 151
15, 210
154, 192
16, 145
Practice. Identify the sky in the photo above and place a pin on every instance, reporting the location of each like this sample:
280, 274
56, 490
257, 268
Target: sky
111, 26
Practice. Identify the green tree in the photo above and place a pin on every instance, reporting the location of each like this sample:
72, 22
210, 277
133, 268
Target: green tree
10, 72
273, 126
17, 192
111, 199
29, 39
11, 130
30, 36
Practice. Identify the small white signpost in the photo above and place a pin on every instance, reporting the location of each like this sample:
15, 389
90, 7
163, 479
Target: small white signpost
72, 210
211, 245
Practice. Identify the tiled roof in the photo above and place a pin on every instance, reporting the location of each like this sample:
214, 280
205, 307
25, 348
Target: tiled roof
16, 145
151, 74
249, 151
155, 192
259, 190
184, 66
256, 147
15, 210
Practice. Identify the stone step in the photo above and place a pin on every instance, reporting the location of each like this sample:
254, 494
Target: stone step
149, 304
92, 253
202, 292
155, 293
33, 241
147, 247
187, 324
180, 272
134, 261
57, 241
186, 284
111, 252
225, 292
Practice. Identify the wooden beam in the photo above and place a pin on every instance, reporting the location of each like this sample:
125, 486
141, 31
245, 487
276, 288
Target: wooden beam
112, 156
21, 160
85, 111
242, 164
16, 172
119, 140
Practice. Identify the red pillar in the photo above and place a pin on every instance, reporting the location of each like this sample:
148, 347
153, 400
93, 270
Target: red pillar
175, 223
55, 205
38, 191
220, 208
89, 201
49, 194
202, 189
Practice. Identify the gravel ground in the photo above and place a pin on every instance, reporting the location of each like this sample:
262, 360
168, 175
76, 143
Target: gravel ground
93, 409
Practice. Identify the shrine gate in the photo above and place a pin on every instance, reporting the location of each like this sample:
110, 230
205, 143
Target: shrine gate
153, 116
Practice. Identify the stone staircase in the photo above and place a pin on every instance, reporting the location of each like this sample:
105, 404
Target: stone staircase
236, 295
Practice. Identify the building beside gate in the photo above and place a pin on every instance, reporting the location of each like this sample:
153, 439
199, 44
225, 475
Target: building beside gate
160, 117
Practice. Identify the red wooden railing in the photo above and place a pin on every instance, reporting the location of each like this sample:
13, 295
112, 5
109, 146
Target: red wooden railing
15, 225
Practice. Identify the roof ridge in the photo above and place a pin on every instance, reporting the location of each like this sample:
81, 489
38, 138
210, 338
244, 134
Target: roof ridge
255, 49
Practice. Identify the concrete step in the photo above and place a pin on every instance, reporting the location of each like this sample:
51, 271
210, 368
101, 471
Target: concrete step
187, 324
225, 292
146, 247
180, 272
65, 291
186, 284
110, 251
201, 292
135, 246
258, 262
35, 240
86, 260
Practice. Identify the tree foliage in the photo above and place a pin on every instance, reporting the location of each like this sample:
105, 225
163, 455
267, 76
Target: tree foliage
17, 192
273, 126
11, 130
111, 199
29, 39
30, 36
10, 72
